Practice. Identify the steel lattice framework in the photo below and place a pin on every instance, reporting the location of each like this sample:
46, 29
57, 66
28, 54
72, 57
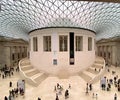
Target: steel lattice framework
19, 17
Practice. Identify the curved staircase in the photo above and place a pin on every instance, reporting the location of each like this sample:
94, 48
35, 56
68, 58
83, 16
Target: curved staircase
31, 74
35, 77
93, 73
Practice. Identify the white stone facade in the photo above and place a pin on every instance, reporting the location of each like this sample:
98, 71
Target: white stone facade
44, 60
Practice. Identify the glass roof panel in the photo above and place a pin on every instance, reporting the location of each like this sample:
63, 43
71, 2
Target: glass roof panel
18, 17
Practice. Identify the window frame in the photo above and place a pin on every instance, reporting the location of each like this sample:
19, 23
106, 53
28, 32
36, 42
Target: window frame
79, 43
63, 43
47, 43
90, 43
35, 44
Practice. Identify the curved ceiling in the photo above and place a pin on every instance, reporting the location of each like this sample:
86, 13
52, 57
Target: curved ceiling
19, 17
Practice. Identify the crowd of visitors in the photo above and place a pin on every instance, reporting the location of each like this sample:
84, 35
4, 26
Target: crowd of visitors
105, 83
5, 72
58, 89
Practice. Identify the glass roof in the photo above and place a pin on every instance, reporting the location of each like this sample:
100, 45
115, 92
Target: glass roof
18, 17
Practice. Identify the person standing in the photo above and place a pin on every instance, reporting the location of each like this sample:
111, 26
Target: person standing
66, 94
39, 98
5, 98
10, 84
69, 86
55, 89
115, 96
56, 97
90, 87
86, 90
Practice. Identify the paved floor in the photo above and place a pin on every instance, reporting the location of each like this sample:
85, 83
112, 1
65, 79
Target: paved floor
46, 89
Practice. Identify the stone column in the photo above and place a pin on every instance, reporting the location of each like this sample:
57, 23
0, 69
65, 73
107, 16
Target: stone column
25, 51
110, 54
20, 53
12, 51
114, 56
16, 55
11, 56
7, 56
107, 53
98, 51
103, 51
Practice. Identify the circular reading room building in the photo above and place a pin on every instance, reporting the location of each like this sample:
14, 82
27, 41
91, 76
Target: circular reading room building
62, 50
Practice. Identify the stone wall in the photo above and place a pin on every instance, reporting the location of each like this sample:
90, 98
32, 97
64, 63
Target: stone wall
12, 47
109, 50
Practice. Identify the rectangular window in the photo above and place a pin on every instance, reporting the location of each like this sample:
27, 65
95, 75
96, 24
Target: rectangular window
63, 43
89, 43
47, 43
79, 43
35, 44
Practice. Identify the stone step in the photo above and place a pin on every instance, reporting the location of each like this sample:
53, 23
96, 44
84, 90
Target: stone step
25, 63
32, 72
36, 75
91, 70
40, 78
85, 77
99, 61
89, 73
26, 68
97, 65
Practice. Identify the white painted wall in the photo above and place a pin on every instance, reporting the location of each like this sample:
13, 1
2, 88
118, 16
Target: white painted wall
44, 60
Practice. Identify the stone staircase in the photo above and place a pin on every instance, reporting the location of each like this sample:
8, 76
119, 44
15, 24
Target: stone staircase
31, 74
35, 77
93, 73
